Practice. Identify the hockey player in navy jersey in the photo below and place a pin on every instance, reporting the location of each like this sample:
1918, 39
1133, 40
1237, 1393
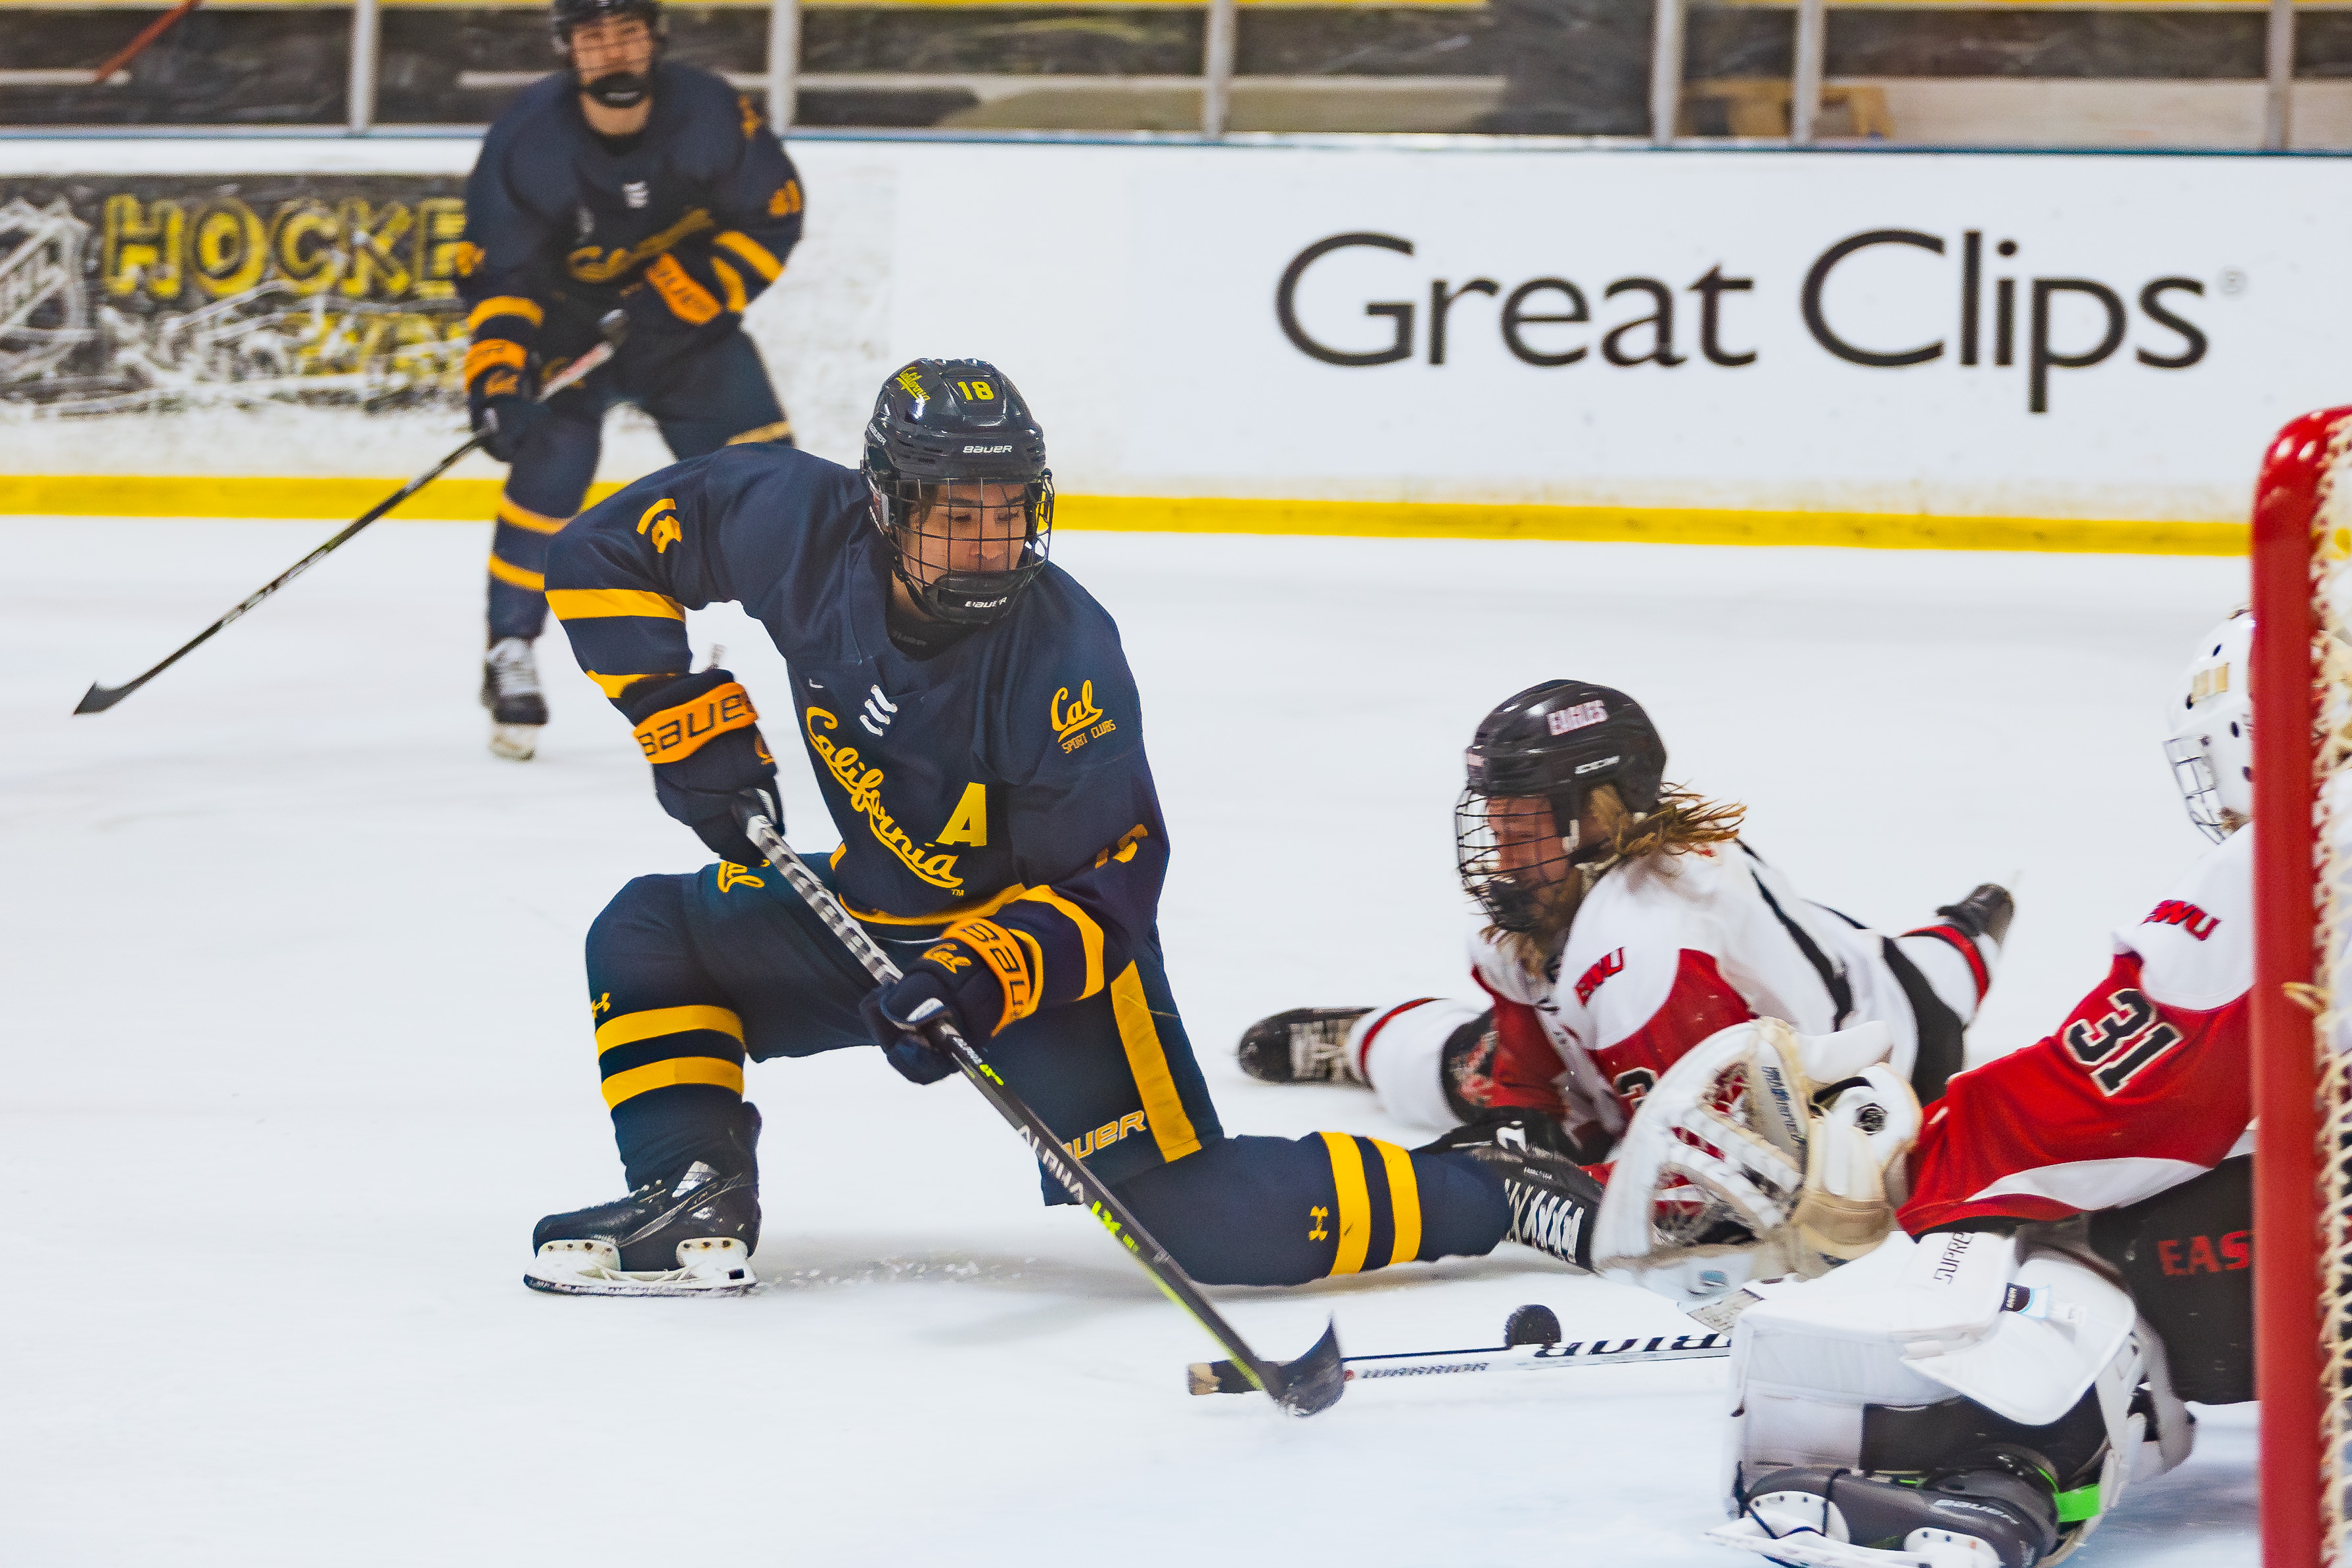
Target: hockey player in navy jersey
625, 181
979, 741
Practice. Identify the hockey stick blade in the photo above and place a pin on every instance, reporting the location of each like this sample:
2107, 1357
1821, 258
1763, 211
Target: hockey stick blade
614, 326
1224, 1377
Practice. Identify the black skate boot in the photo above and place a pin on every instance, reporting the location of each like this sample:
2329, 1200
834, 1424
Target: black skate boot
1985, 912
688, 1233
511, 691
1305, 1045
2000, 1512
1553, 1201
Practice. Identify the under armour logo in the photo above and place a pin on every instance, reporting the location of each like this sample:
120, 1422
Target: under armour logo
880, 711
1318, 1216
602, 1005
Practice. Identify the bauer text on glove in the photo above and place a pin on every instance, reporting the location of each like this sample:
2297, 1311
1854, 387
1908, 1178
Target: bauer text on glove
701, 735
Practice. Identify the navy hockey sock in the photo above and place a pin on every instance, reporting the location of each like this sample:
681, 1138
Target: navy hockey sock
670, 1052
1277, 1211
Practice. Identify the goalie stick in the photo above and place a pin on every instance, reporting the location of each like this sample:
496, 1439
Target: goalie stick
1312, 1382
98, 698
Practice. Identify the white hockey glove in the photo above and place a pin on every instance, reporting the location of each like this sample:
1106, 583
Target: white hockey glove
1763, 1153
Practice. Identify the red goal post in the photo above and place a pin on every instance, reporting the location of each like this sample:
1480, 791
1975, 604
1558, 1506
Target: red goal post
2302, 692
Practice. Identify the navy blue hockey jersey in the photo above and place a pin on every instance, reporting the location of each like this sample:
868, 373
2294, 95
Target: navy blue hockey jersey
1003, 777
695, 219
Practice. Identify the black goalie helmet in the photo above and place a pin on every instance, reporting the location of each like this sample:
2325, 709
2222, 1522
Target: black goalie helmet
614, 90
956, 465
1530, 767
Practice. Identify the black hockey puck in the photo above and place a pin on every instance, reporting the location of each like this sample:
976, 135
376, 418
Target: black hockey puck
1531, 1325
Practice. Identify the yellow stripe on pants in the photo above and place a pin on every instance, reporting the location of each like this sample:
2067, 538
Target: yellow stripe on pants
1147, 1059
1404, 1202
1355, 1203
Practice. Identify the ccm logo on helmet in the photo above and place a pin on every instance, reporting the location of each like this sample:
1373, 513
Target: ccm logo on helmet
1585, 768
1576, 718
1007, 446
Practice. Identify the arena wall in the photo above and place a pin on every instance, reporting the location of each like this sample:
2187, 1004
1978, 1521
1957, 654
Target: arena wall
1390, 335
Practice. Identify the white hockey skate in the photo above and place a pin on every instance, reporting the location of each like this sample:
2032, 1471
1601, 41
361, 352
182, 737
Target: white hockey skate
511, 691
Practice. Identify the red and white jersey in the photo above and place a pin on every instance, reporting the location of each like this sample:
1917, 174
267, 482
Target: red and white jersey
2144, 1086
1664, 952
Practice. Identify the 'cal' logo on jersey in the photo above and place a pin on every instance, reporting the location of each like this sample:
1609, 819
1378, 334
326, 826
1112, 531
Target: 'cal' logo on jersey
1576, 718
1071, 724
1607, 964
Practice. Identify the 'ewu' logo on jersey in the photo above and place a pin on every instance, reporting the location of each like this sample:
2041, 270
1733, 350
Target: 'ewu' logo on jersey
2121, 1046
2186, 915
1607, 964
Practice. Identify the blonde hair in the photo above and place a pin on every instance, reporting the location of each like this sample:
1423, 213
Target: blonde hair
1682, 821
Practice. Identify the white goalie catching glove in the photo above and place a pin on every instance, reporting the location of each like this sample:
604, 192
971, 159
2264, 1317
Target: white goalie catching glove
1761, 1155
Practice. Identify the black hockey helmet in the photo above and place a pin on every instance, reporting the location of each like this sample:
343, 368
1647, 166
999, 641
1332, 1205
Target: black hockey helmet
565, 15
942, 430
1553, 742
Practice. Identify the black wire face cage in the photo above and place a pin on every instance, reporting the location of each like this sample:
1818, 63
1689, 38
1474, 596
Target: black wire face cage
966, 549
1512, 859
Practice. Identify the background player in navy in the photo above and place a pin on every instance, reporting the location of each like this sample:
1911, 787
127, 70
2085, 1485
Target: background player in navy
627, 181
979, 741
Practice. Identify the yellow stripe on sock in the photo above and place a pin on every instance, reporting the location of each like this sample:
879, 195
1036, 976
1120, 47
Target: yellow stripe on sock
1147, 1059
523, 517
1404, 1202
1355, 1218
630, 1027
628, 1085
596, 604
535, 580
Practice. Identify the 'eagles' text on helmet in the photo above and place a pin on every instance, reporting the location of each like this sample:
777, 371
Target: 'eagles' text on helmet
1530, 766
2210, 735
956, 464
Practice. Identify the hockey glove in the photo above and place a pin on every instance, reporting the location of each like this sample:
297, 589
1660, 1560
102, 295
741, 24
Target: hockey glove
701, 735
676, 301
979, 977
504, 409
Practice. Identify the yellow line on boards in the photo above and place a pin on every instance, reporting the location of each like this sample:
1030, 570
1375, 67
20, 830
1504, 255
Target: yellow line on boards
184, 495
476, 501
1650, 525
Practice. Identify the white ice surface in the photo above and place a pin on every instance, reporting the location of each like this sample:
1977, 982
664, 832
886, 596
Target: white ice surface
296, 1051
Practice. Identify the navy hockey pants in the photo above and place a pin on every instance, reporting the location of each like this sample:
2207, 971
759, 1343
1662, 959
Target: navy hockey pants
689, 975
703, 393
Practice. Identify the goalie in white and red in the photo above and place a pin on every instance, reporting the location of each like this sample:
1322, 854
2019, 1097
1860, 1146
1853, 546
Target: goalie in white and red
1625, 921
1982, 1399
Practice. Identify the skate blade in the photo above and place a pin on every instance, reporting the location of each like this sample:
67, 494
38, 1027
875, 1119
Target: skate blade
574, 1270
515, 742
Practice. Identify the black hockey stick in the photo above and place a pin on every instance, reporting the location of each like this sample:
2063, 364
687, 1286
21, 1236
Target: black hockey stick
1304, 1387
98, 698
